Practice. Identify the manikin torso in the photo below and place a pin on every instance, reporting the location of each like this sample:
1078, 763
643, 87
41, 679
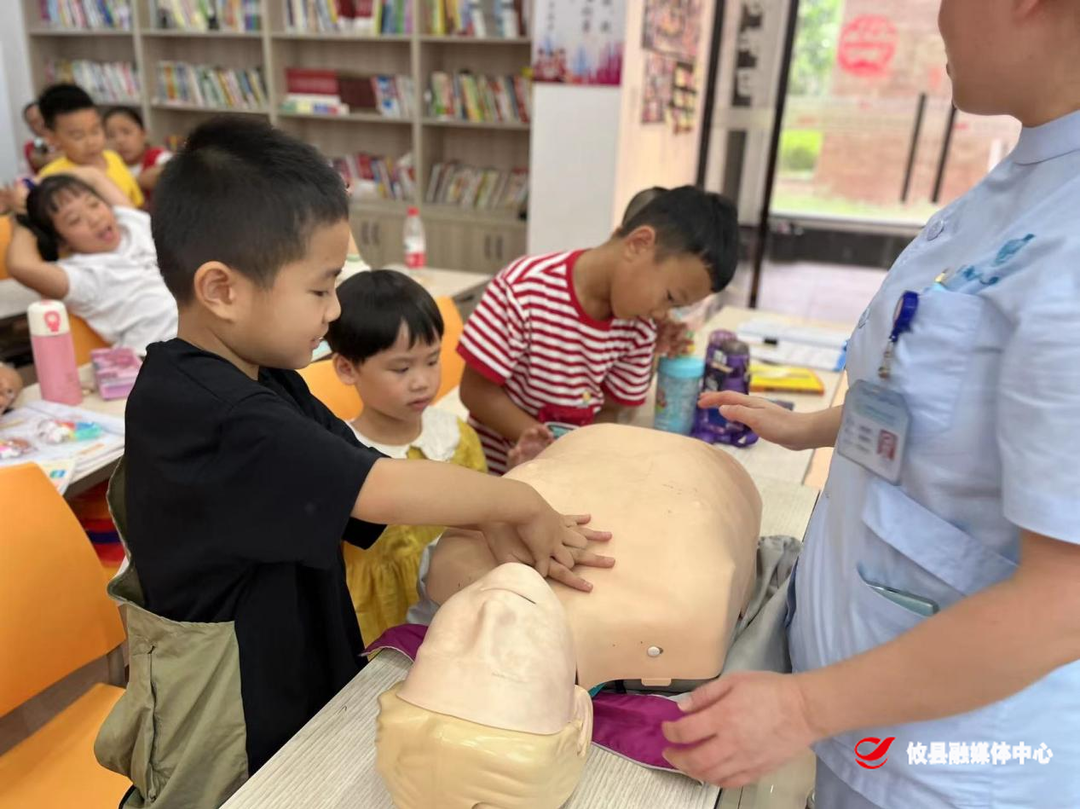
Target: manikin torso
685, 518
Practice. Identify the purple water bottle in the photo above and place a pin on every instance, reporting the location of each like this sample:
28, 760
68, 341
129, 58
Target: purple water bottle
727, 367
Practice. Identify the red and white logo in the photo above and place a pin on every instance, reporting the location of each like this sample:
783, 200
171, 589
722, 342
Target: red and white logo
869, 759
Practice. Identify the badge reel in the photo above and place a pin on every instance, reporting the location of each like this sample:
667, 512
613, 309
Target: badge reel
874, 429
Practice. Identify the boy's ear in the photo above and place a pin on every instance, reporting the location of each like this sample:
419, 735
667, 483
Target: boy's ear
639, 241
345, 370
218, 287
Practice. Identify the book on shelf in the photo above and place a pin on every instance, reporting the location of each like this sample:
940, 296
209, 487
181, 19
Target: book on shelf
211, 87
339, 93
371, 176
206, 15
454, 183
305, 104
89, 15
106, 82
358, 17
479, 19
482, 99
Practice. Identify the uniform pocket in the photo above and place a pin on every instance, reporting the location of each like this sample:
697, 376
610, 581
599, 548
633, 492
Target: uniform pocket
932, 359
951, 556
886, 618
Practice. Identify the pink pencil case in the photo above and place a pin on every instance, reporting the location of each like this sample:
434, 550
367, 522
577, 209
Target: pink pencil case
115, 370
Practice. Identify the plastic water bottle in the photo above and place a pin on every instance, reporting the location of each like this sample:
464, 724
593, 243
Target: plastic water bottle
54, 352
415, 243
678, 383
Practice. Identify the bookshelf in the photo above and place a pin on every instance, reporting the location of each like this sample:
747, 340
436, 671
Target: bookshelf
481, 240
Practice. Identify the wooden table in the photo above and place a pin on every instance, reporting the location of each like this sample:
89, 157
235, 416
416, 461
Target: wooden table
762, 458
464, 287
88, 475
331, 761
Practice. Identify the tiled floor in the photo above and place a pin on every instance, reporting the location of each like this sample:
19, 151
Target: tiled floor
831, 292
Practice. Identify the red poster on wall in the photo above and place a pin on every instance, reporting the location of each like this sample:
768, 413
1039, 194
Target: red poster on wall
867, 46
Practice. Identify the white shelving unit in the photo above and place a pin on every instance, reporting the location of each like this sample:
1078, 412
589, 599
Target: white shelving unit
481, 241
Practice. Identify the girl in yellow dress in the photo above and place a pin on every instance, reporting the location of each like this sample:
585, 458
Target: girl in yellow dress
386, 344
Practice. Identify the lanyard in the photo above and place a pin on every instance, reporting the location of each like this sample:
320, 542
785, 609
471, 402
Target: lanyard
902, 318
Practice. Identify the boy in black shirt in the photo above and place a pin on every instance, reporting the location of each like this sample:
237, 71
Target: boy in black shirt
238, 486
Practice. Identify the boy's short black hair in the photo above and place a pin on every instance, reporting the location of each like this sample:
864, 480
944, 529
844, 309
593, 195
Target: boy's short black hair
245, 194
689, 220
640, 200
60, 99
130, 112
373, 306
43, 202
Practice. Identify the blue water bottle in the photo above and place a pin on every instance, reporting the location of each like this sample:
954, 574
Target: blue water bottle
678, 383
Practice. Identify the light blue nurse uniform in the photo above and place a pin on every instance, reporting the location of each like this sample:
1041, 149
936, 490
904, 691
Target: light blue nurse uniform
991, 374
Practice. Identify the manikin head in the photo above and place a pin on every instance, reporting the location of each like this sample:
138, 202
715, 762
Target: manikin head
489, 715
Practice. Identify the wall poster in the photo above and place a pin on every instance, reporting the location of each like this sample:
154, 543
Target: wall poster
578, 41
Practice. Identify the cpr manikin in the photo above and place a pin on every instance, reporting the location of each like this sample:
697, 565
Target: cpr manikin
489, 715
685, 518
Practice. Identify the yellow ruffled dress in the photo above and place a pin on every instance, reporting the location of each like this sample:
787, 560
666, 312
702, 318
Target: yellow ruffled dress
382, 579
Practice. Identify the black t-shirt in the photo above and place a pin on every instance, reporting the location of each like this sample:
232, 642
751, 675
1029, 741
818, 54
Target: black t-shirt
239, 494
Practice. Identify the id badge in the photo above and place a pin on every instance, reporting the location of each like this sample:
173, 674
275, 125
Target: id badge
874, 429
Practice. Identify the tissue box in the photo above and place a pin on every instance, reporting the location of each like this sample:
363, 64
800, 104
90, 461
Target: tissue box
115, 370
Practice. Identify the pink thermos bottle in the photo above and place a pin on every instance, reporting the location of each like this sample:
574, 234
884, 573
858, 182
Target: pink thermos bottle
54, 352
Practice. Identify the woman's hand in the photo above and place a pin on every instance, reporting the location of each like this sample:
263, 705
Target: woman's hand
739, 728
769, 420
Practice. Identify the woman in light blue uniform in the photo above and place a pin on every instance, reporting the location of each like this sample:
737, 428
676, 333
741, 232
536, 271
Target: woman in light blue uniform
935, 611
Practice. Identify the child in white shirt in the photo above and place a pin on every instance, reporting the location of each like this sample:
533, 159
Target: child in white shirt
81, 242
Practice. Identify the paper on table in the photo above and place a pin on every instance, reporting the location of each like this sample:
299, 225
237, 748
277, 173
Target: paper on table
808, 356
763, 329
22, 423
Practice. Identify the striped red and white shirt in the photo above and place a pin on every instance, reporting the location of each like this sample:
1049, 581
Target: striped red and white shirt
530, 335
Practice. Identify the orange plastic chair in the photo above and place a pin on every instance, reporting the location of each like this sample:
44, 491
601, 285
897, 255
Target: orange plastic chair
5, 240
453, 366
54, 618
85, 339
341, 399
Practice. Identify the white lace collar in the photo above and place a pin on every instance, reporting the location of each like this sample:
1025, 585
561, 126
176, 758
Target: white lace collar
440, 434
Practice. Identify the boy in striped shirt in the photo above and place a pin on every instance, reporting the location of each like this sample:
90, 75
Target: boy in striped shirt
570, 337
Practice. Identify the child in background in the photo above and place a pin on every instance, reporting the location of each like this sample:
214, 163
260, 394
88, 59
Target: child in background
126, 134
238, 486
38, 151
108, 273
73, 124
570, 337
386, 344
